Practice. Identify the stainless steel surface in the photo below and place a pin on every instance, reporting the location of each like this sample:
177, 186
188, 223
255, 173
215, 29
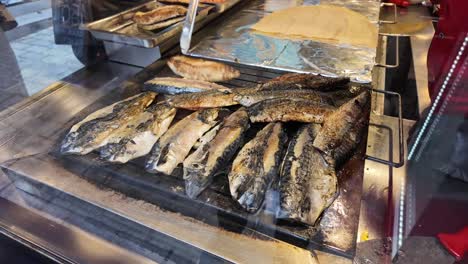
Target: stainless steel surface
401, 152
383, 202
232, 40
133, 55
396, 56
120, 28
50, 239
186, 36
415, 22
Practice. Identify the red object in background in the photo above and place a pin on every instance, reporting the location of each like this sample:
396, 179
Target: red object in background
456, 244
449, 35
402, 3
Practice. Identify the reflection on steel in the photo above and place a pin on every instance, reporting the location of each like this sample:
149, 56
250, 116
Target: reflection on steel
401, 161
436, 104
233, 40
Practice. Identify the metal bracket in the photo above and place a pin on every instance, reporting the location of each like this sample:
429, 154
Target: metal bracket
394, 21
186, 36
397, 52
401, 149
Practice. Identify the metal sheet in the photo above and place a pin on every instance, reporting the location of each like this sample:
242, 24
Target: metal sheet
232, 40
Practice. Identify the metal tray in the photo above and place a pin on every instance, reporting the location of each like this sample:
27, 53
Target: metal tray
336, 233
120, 27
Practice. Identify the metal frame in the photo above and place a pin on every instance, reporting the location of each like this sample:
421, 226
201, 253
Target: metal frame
401, 161
394, 21
397, 51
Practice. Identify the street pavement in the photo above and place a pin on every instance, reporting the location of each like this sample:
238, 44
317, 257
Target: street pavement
31, 63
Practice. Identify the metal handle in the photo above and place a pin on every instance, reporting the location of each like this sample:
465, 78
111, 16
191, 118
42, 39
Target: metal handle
401, 149
397, 52
187, 30
394, 14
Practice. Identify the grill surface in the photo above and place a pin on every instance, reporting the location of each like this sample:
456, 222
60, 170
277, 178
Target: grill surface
336, 233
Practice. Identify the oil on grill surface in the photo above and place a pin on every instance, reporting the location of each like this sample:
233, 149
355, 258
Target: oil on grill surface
336, 233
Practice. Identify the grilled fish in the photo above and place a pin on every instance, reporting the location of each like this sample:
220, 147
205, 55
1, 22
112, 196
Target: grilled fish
159, 14
162, 24
207, 137
200, 167
249, 97
308, 184
343, 96
256, 167
140, 134
97, 128
340, 132
208, 99
168, 85
294, 81
200, 69
286, 110
172, 148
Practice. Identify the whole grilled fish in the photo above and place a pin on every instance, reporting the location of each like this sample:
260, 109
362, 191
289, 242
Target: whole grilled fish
97, 128
172, 148
249, 97
200, 69
162, 24
256, 167
285, 110
340, 132
308, 184
201, 100
294, 81
140, 134
168, 85
159, 14
200, 167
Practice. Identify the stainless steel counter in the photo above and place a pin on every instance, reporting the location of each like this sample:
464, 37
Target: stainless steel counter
29, 130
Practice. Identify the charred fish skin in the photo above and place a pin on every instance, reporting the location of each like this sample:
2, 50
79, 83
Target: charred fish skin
256, 167
285, 110
343, 96
340, 129
168, 85
173, 147
249, 97
159, 14
162, 24
138, 142
294, 81
202, 100
200, 167
95, 130
201, 69
308, 184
